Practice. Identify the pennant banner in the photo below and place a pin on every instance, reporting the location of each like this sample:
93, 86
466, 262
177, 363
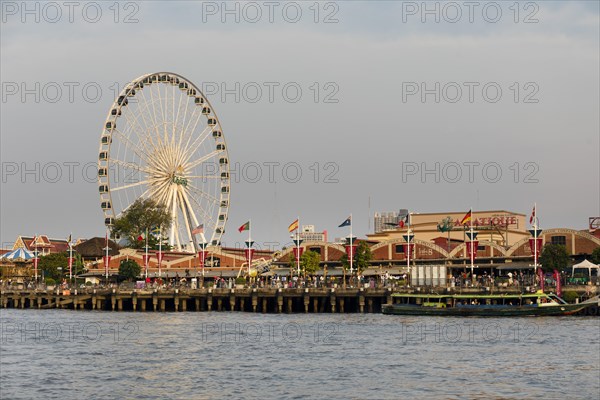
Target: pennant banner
70, 265
532, 244
351, 249
202, 258
249, 253
472, 249
409, 252
146, 259
106, 260
298, 251
159, 256
540, 274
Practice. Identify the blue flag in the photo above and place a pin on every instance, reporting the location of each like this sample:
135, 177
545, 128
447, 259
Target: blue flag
347, 222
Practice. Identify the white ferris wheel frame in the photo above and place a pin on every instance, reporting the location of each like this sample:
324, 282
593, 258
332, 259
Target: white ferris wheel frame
163, 151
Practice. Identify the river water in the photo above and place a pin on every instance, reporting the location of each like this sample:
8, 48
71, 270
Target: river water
65, 354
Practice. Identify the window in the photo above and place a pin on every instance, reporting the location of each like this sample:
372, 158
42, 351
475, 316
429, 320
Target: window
316, 249
562, 240
399, 249
480, 248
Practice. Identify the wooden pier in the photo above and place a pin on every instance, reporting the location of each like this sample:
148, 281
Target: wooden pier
263, 300
326, 300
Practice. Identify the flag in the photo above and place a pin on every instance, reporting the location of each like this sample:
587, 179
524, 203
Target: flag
244, 227
141, 237
532, 217
198, 230
155, 230
347, 222
69, 238
293, 226
466, 218
404, 220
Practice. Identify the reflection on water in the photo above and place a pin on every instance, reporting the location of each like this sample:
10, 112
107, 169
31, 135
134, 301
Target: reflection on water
72, 355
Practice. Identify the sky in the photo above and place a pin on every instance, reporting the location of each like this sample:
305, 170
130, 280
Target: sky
375, 106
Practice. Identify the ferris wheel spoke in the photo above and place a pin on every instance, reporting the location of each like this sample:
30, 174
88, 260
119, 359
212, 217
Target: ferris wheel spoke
184, 133
186, 219
203, 177
208, 220
136, 149
129, 165
163, 111
187, 202
191, 149
152, 115
144, 182
143, 134
203, 194
173, 218
130, 204
194, 116
203, 159
204, 132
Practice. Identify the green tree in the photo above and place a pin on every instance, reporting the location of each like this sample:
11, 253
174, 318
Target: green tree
554, 256
595, 257
129, 269
53, 265
141, 217
309, 262
362, 259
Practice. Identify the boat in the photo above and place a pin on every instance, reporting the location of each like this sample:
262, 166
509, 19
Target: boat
484, 305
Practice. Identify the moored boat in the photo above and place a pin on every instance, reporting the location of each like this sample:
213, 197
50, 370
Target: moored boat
483, 305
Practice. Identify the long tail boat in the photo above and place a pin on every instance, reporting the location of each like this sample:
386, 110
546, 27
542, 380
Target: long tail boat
484, 305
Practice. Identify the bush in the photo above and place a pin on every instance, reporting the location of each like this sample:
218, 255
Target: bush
240, 280
50, 282
570, 295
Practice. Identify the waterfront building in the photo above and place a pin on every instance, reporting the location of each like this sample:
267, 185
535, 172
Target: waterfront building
308, 234
385, 221
42, 243
501, 227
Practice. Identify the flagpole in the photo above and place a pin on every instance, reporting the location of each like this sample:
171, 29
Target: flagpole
106, 263
249, 246
351, 248
146, 260
472, 250
298, 246
408, 247
36, 260
71, 258
535, 232
159, 249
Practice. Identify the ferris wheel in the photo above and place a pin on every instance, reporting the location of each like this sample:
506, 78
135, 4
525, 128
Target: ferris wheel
163, 141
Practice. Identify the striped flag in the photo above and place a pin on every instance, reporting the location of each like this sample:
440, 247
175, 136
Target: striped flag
466, 218
532, 217
198, 230
293, 226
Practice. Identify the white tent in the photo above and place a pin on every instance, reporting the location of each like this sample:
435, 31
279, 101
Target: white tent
585, 264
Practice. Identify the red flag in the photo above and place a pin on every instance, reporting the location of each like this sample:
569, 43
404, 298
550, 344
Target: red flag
532, 217
558, 283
